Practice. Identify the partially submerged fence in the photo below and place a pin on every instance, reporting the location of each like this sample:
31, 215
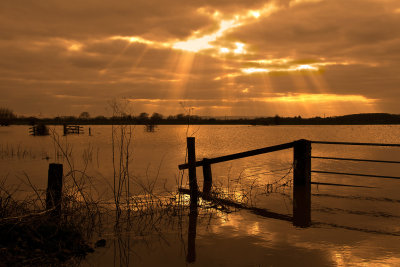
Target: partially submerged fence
73, 129
301, 171
356, 160
301, 174
39, 130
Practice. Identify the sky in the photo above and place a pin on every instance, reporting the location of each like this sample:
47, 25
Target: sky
205, 57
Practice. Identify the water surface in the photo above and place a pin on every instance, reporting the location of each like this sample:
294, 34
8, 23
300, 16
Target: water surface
351, 226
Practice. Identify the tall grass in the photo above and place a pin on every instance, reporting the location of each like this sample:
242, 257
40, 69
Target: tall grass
121, 136
8, 151
32, 235
84, 213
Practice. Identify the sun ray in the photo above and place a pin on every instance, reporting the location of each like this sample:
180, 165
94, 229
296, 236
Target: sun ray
114, 59
181, 74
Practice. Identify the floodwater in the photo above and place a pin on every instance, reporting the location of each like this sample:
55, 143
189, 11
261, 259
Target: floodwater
351, 226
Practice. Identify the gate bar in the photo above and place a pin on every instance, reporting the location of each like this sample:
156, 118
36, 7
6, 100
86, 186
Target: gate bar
350, 159
353, 144
357, 174
349, 185
240, 155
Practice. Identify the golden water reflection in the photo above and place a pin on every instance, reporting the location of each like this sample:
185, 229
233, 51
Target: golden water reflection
243, 238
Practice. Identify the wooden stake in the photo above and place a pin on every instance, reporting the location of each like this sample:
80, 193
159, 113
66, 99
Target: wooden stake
65, 129
54, 187
302, 183
207, 175
192, 168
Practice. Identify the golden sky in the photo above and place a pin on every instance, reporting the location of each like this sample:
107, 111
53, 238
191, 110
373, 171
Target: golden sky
215, 57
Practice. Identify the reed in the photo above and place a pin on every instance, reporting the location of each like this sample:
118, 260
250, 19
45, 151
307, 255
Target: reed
86, 215
9, 151
121, 136
32, 236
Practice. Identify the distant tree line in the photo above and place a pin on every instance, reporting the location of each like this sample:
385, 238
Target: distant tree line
7, 117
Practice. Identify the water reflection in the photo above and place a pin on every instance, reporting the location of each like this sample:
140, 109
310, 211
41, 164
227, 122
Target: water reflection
249, 237
357, 226
302, 206
302, 218
191, 254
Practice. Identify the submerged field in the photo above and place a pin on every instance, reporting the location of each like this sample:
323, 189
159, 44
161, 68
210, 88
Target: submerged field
350, 225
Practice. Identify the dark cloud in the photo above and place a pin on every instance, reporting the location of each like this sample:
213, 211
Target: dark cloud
336, 30
155, 19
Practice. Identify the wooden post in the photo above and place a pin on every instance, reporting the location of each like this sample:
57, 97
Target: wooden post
54, 187
302, 183
65, 129
192, 169
90, 132
207, 175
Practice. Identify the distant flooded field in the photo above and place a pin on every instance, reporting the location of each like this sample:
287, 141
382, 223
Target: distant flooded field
353, 226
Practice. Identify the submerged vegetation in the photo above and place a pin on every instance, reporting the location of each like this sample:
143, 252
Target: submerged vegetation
31, 235
34, 236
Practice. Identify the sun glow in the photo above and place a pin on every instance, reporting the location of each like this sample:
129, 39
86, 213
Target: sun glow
233, 92
239, 48
224, 50
75, 47
278, 97
290, 69
291, 104
306, 67
196, 44
208, 41
254, 70
255, 14
320, 98
140, 40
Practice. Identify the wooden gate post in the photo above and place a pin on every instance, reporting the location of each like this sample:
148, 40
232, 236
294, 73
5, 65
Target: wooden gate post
192, 169
302, 183
65, 129
54, 188
207, 175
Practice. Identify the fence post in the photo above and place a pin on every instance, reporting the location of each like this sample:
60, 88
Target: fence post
192, 169
54, 188
302, 183
207, 175
65, 129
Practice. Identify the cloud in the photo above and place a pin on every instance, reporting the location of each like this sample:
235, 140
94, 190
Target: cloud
92, 51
